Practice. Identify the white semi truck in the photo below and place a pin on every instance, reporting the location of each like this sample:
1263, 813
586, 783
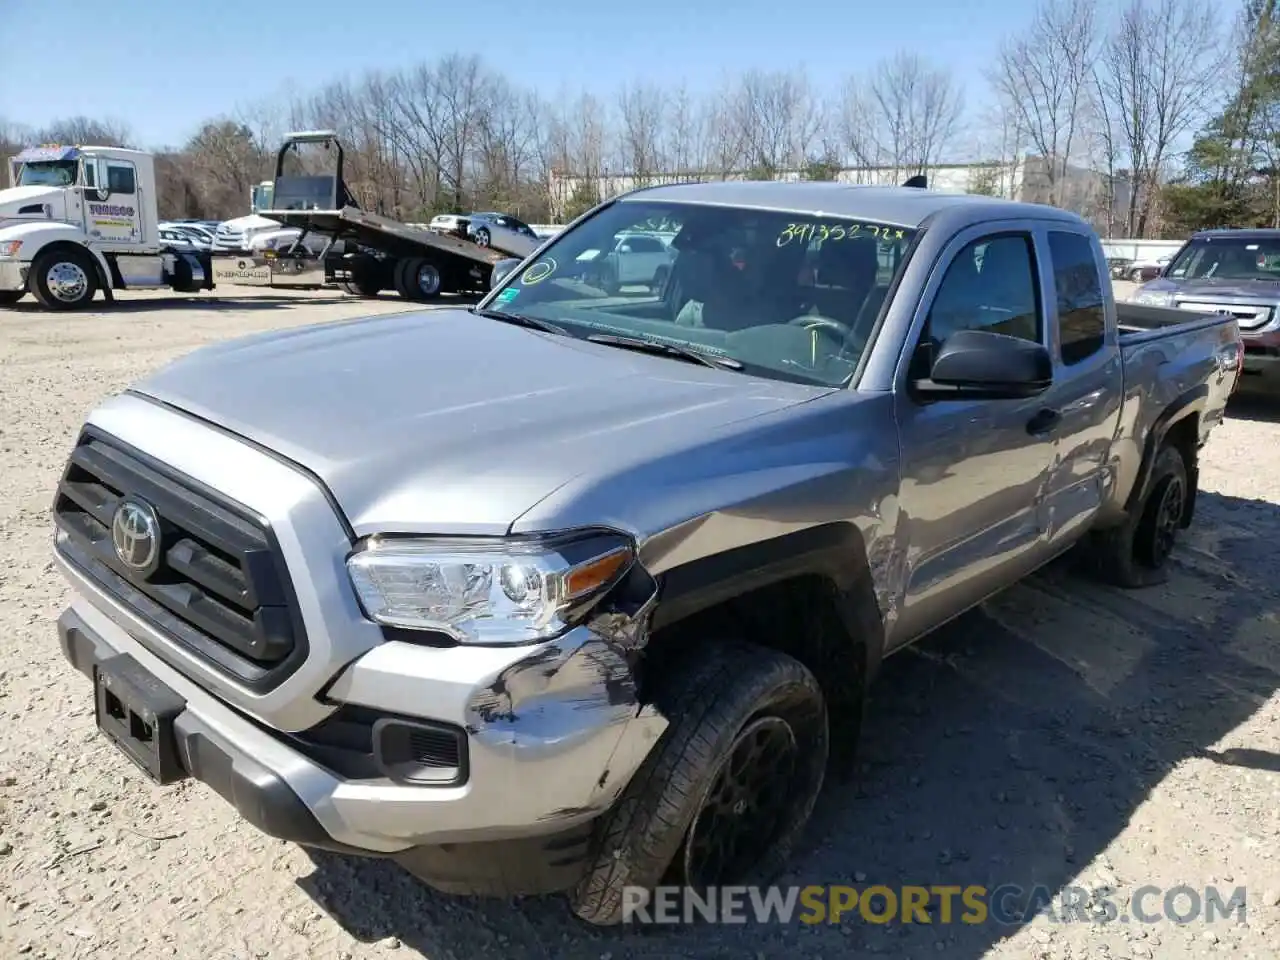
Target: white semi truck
77, 220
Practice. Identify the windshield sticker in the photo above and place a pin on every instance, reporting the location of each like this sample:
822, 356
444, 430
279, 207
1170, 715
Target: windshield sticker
838, 231
538, 272
507, 295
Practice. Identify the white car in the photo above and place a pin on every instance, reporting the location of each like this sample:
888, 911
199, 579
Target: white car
448, 223
180, 237
636, 259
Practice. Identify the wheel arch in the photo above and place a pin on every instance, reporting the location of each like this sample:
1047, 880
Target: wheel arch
1178, 425
56, 244
809, 593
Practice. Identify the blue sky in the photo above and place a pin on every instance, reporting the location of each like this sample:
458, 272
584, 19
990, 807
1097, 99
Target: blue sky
163, 67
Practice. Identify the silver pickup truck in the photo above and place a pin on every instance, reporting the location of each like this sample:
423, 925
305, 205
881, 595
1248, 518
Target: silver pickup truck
582, 590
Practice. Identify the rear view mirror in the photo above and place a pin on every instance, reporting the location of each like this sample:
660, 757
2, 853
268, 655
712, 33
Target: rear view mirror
979, 364
502, 269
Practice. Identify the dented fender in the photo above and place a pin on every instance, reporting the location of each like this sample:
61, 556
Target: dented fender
574, 702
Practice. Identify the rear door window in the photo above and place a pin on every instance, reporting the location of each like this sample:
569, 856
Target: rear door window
1081, 316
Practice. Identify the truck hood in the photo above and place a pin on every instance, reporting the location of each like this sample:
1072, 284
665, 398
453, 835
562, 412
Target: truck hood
445, 422
1253, 291
14, 198
251, 222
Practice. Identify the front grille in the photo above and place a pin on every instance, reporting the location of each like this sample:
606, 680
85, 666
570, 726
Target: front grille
1247, 317
218, 587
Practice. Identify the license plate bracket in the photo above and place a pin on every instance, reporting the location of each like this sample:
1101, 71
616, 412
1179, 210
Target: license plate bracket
136, 712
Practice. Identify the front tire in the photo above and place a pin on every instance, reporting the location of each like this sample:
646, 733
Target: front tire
63, 278
482, 237
726, 792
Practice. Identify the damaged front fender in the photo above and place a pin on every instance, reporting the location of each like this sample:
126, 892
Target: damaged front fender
571, 713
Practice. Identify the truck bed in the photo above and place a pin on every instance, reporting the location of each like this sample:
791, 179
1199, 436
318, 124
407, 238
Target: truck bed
383, 233
1169, 355
1138, 321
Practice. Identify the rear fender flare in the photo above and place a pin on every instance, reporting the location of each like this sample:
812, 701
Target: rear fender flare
1189, 404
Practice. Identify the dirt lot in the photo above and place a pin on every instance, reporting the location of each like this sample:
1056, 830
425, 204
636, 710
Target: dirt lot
1064, 734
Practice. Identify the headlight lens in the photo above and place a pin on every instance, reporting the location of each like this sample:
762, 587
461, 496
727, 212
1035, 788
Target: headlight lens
11, 248
486, 591
1152, 298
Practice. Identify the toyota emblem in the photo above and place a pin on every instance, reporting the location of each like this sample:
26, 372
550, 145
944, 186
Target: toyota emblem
135, 534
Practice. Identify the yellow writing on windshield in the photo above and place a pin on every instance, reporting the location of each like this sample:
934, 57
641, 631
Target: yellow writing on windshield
822, 232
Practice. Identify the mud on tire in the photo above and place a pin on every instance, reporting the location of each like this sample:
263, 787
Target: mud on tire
712, 696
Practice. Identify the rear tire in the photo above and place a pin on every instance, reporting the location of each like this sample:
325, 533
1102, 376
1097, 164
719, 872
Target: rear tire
63, 278
756, 707
482, 237
1136, 553
418, 279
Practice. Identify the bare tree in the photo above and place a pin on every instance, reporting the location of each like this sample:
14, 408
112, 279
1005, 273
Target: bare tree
86, 131
226, 161
726, 136
684, 135
1045, 75
779, 118
916, 110
1002, 139
641, 109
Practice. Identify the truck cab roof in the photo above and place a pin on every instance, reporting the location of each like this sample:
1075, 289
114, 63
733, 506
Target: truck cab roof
900, 206
1257, 233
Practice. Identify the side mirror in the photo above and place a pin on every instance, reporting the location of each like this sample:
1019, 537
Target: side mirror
502, 269
981, 365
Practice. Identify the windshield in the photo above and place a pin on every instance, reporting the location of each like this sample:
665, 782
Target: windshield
1228, 259
790, 296
48, 173
261, 198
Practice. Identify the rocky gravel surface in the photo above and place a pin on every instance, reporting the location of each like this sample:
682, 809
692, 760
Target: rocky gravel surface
1064, 735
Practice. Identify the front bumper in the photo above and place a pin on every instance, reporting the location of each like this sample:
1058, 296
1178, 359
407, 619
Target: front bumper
13, 275
1261, 358
551, 732
554, 739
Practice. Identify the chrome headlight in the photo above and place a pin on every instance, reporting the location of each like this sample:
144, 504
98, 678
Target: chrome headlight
490, 591
1152, 298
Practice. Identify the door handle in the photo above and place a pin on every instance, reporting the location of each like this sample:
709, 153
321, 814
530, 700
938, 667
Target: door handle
1043, 422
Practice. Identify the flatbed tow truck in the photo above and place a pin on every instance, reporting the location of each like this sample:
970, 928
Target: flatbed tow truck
367, 253
83, 220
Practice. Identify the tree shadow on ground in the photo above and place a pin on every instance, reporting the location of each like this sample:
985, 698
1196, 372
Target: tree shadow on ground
1010, 747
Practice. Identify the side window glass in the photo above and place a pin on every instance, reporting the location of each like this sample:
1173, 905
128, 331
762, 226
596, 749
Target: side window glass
90, 173
120, 179
1081, 318
990, 285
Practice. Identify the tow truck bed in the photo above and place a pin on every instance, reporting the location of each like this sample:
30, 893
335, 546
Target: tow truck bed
367, 252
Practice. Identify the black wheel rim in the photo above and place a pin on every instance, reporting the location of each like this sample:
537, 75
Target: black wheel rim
1168, 520
744, 806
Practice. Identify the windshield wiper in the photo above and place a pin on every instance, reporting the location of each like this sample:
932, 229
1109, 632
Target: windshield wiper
520, 320
667, 350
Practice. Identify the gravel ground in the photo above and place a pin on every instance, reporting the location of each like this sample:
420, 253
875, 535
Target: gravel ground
1063, 734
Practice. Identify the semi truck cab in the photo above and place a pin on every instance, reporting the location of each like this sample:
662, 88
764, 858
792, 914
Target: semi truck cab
77, 219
